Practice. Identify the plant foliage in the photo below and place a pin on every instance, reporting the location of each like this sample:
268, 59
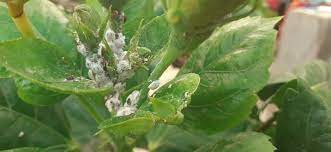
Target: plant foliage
80, 81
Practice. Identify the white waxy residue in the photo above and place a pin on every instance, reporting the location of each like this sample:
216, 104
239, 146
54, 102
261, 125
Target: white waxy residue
80, 46
82, 49
21, 134
74, 79
113, 103
125, 111
101, 48
116, 42
133, 98
96, 68
187, 95
123, 65
94, 62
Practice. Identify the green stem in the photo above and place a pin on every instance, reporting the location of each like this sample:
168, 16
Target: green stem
171, 54
16, 11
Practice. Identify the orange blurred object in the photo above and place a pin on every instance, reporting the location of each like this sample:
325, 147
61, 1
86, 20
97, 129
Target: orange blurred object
297, 4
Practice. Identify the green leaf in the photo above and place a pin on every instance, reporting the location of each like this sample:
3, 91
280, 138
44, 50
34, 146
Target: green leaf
50, 22
178, 91
136, 11
155, 34
304, 122
233, 65
138, 124
231, 111
173, 97
243, 142
53, 115
46, 65
312, 73
323, 90
8, 91
269, 90
83, 125
6, 23
40, 126
95, 4
140, 76
165, 107
26, 149
14, 124
230, 59
165, 138
36, 95
58, 148
4, 73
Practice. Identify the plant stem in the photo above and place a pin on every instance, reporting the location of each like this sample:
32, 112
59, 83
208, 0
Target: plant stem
24, 26
16, 11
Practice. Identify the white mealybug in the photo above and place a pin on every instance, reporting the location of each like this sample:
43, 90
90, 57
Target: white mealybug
133, 98
123, 65
110, 36
116, 41
82, 49
119, 54
187, 95
100, 48
119, 41
154, 85
94, 63
113, 103
91, 75
119, 87
125, 111
102, 79
122, 55
80, 46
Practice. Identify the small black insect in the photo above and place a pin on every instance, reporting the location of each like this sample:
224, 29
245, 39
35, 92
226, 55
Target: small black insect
70, 78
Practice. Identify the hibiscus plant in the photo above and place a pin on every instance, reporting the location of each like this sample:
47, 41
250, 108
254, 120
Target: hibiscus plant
89, 80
